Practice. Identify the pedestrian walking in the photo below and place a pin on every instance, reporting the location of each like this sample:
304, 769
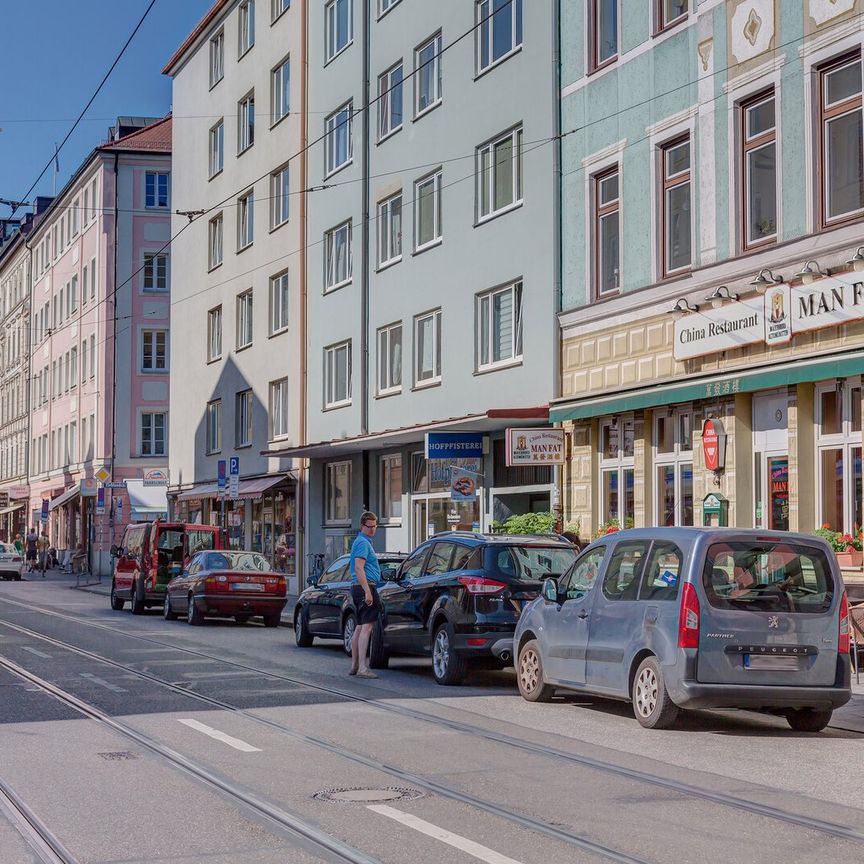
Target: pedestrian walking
365, 578
19, 544
30, 544
42, 546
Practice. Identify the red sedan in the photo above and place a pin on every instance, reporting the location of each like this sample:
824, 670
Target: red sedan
225, 583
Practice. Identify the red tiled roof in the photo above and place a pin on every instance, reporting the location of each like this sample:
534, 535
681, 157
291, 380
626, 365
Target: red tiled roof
155, 138
190, 39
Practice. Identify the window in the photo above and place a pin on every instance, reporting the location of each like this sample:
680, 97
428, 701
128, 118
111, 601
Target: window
337, 492
386, 5
93, 197
217, 148
244, 319
607, 232
84, 275
74, 217
92, 355
390, 359
214, 333
669, 12
499, 174
92, 278
617, 472
390, 489
280, 90
676, 207
245, 220
427, 66
214, 254
673, 460
390, 231
621, 581
155, 271
427, 211
154, 351
390, 101
243, 419
427, 348
581, 578
842, 146
759, 164
245, 123
156, 189
500, 30
73, 368
337, 128
337, 375
277, 7
73, 295
152, 433
339, 24
246, 26
83, 362
279, 197
662, 570
603, 27
217, 58
279, 408
337, 256
214, 426
499, 326
279, 298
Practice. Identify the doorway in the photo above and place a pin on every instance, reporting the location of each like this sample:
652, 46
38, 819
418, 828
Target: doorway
771, 460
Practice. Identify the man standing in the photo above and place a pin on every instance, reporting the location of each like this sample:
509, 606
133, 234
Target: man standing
365, 578
42, 547
30, 545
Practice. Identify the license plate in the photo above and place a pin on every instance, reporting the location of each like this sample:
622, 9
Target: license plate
757, 661
247, 586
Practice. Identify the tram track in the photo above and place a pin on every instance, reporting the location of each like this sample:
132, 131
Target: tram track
41, 840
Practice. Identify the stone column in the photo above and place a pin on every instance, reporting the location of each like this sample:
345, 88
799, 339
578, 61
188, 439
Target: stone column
742, 507
803, 492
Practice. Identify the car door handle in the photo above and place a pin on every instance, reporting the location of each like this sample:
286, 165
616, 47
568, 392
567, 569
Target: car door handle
583, 614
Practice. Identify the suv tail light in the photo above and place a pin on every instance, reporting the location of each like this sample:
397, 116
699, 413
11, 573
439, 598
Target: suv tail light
843, 631
688, 620
479, 585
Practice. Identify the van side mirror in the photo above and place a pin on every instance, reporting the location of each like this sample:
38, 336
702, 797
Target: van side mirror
550, 590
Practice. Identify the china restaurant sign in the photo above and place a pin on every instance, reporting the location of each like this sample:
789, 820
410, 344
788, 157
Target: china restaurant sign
772, 319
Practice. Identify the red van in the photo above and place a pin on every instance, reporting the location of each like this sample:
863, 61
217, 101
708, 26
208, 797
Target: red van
151, 554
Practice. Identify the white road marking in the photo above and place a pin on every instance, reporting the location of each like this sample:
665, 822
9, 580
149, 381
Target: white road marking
36, 651
226, 674
236, 743
103, 683
484, 853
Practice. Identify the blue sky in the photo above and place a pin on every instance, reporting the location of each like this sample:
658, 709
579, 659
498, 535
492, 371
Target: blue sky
55, 54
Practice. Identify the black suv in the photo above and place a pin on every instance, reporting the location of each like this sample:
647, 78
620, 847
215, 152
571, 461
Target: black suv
458, 597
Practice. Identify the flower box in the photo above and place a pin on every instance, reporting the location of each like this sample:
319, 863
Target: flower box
850, 558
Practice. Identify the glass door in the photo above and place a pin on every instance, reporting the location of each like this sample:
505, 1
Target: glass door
778, 493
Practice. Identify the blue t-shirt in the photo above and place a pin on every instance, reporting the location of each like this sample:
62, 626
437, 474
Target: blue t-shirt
362, 548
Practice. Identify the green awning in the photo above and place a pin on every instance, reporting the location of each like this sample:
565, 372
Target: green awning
694, 389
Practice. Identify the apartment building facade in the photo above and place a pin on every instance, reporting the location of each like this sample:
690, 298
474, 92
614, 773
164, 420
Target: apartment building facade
712, 204
237, 302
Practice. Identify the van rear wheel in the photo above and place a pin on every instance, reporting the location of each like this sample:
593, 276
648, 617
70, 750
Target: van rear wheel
529, 674
117, 603
651, 703
137, 600
808, 719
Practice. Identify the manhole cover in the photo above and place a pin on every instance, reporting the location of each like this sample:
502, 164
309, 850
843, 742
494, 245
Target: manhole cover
118, 757
368, 796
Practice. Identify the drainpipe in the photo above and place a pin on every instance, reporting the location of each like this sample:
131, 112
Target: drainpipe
557, 263
302, 487
114, 340
30, 330
365, 275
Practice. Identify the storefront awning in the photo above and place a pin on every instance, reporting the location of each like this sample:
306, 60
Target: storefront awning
204, 490
710, 387
147, 500
250, 489
5, 510
65, 498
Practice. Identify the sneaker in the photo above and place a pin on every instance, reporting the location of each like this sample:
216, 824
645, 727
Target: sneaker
366, 674
353, 672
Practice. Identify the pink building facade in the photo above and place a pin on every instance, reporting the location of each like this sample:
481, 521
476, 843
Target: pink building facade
100, 352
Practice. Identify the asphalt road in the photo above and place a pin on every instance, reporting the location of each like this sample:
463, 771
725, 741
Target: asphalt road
131, 739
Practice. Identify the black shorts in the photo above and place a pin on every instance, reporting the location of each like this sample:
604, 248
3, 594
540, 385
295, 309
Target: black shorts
365, 614
31, 554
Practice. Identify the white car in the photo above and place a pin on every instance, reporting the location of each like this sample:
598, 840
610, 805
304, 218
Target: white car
11, 562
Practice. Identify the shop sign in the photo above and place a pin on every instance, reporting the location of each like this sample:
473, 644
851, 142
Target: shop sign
828, 302
778, 315
87, 487
454, 445
100, 500
714, 445
4, 499
708, 331
535, 447
155, 477
19, 492
464, 481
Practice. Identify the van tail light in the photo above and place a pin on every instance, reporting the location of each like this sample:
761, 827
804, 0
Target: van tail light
479, 585
843, 632
688, 620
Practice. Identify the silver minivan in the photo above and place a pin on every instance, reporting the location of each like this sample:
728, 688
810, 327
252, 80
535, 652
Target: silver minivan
676, 618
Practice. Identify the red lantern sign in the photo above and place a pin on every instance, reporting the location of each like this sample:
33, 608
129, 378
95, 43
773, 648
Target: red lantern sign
714, 445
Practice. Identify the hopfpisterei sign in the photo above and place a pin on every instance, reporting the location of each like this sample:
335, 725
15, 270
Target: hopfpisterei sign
772, 319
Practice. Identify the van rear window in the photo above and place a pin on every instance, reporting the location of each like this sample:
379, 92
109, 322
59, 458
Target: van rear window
528, 563
768, 577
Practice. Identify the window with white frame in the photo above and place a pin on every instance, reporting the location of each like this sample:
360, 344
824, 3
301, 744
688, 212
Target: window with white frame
337, 256
214, 246
84, 277
390, 101
499, 174
427, 348
246, 122
244, 319
390, 359
603, 29
214, 426
499, 327
155, 271
669, 12
499, 31
617, 472
246, 26
386, 5
390, 230
339, 23
279, 197
279, 303
427, 211
337, 375
153, 435
427, 68
673, 465
217, 148
279, 408
390, 489
214, 333
73, 367
154, 350
92, 278
93, 197
838, 445
92, 355
156, 189
338, 143
243, 418
337, 492
280, 90
277, 7
759, 170
245, 220
217, 58
607, 231
676, 207
73, 294
74, 217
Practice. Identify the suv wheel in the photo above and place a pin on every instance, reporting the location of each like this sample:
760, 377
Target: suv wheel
116, 602
529, 674
379, 656
808, 719
651, 703
302, 636
448, 667
349, 625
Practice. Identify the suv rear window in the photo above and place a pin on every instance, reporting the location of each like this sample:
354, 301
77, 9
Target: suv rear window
528, 563
768, 577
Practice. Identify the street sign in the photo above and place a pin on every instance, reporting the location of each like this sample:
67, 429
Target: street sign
102, 474
120, 484
234, 477
100, 500
119, 511
222, 465
87, 487
44, 516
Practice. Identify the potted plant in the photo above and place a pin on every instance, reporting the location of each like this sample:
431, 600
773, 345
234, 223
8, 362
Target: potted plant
847, 548
608, 527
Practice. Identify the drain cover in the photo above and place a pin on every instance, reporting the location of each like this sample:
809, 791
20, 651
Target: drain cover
118, 757
368, 796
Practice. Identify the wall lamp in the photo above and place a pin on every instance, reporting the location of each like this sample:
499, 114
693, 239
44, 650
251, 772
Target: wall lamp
683, 306
721, 293
765, 278
810, 271
856, 262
